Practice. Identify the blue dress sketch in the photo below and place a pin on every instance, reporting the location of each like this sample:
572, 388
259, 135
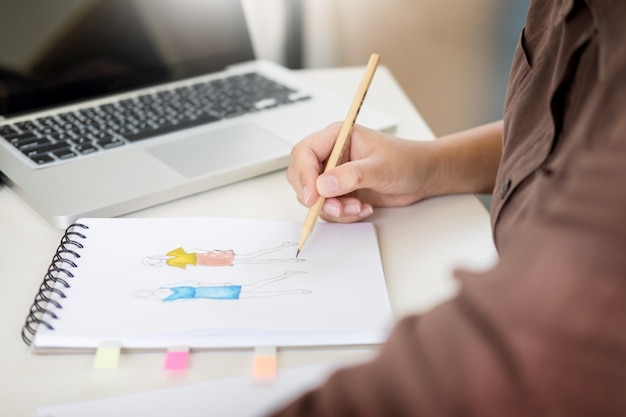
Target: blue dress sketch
228, 291
214, 292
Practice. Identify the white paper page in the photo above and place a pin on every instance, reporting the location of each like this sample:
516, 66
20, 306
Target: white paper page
232, 397
333, 293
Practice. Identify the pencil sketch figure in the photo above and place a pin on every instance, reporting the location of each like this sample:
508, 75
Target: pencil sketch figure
221, 291
181, 258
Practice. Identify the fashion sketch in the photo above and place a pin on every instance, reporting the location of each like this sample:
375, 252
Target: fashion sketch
181, 258
221, 291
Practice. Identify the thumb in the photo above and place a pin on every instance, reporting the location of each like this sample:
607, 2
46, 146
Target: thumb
342, 180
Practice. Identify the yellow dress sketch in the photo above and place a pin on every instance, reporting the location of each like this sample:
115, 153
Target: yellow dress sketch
181, 258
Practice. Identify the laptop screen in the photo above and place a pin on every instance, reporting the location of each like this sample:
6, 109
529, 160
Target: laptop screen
57, 52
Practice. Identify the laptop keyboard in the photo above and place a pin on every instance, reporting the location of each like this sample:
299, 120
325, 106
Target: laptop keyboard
81, 132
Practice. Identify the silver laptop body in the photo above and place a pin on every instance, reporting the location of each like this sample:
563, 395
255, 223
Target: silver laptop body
96, 56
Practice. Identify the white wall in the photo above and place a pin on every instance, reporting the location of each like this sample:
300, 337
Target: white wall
446, 54
266, 22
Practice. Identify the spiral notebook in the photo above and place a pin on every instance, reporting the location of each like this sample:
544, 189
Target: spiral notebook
202, 282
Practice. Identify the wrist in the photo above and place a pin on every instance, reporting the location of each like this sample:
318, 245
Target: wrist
438, 178
467, 162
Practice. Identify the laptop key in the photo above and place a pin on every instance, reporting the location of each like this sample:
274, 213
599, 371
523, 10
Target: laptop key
65, 153
86, 148
22, 138
26, 126
110, 142
24, 146
59, 136
8, 132
81, 140
50, 147
41, 159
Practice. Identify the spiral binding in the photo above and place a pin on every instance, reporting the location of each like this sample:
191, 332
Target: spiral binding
56, 280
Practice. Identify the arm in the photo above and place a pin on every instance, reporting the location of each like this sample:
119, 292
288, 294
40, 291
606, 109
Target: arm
383, 170
542, 334
469, 160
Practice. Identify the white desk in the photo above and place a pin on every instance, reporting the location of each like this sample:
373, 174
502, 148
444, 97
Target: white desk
420, 246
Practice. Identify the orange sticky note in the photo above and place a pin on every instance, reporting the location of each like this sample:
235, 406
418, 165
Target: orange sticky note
265, 365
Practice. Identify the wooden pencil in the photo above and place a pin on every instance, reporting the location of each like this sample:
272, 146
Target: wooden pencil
340, 145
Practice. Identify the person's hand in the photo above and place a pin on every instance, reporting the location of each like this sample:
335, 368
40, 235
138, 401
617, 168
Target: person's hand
376, 169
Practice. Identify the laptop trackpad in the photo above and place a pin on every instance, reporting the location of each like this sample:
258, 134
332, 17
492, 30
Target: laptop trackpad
221, 150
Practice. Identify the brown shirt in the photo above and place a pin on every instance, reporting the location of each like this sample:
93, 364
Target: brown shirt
544, 332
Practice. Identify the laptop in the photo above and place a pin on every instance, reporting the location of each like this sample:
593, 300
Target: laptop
112, 106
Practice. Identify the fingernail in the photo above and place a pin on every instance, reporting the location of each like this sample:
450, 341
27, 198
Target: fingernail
331, 208
327, 185
366, 210
352, 208
306, 193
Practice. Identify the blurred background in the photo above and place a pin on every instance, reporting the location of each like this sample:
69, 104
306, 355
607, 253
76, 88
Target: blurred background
452, 57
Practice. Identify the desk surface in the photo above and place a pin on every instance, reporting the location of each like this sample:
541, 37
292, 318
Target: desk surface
420, 245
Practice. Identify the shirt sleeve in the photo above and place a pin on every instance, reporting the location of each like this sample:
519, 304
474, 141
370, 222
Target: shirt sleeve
541, 334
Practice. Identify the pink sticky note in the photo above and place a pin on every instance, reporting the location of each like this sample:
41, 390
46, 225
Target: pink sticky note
176, 360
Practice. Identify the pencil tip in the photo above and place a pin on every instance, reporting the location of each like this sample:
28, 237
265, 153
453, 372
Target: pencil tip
297, 253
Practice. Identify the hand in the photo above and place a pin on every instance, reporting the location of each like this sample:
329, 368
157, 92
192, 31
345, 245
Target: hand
376, 169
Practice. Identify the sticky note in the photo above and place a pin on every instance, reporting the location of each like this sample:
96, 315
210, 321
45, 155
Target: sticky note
176, 359
265, 365
107, 355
